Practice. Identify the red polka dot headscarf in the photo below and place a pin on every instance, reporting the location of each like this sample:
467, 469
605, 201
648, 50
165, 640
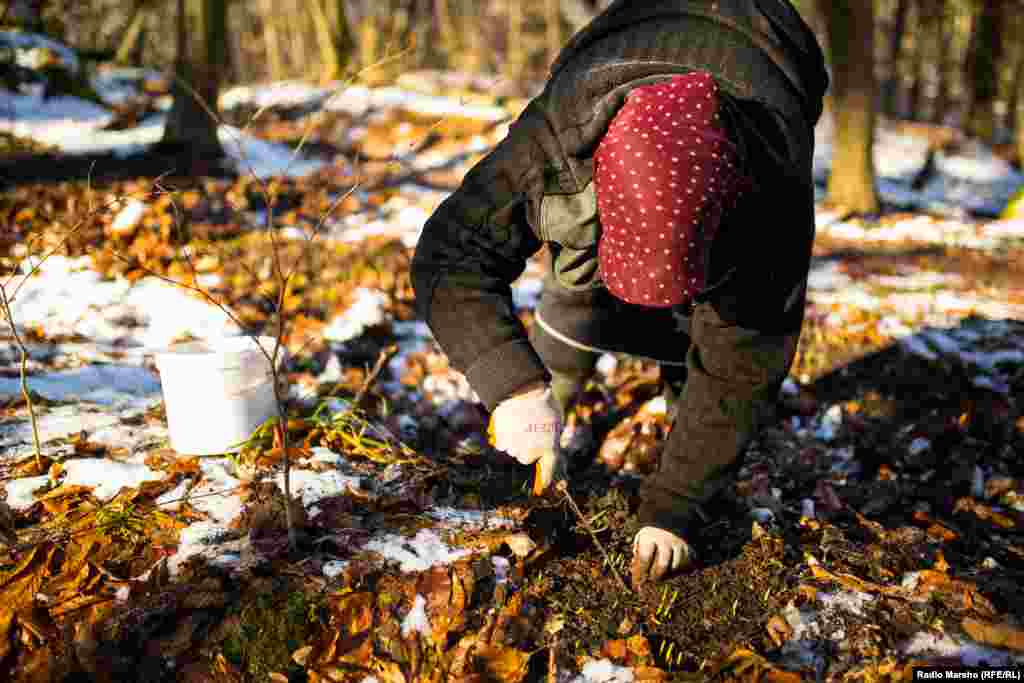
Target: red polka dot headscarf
664, 174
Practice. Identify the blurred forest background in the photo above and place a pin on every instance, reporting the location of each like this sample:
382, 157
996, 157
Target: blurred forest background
949, 62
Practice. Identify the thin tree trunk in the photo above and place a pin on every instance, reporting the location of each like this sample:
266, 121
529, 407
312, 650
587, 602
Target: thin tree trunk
925, 21
982, 66
946, 63
450, 43
201, 54
472, 57
553, 24
890, 88
421, 31
1015, 111
272, 40
515, 58
576, 13
331, 59
850, 26
129, 48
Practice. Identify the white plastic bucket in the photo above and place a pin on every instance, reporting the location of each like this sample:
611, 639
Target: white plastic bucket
216, 392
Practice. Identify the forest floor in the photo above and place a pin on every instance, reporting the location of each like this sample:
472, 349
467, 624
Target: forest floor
877, 525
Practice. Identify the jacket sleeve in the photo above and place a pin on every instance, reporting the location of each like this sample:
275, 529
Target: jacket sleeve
474, 246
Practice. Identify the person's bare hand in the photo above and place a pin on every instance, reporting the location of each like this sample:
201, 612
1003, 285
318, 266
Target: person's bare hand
656, 552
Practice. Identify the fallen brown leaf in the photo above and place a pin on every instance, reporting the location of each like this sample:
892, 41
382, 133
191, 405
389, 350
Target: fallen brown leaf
996, 635
984, 512
502, 664
779, 630
615, 649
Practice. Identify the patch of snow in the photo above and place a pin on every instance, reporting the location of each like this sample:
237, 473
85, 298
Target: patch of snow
450, 386
51, 120
68, 297
405, 224
334, 568
973, 162
411, 328
28, 47
1010, 229
925, 229
978, 482
416, 620
829, 424
217, 492
827, 277
656, 406
107, 476
915, 345
846, 601
358, 100
416, 554
326, 455
919, 445
54, 424
472, 518
74, 126
103, 384
120, 84
312, 486
128, 217
919, 280
173, 499
276, 94
261, 158
367, 310
604, 671
607, 364
19, 491
969, 653
501, 568
207, 540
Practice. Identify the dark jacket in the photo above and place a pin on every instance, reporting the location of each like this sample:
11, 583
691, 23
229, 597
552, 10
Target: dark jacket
535, 188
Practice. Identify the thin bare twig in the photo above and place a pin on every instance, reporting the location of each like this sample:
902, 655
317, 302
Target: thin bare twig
24, 376
382, 359
563, 488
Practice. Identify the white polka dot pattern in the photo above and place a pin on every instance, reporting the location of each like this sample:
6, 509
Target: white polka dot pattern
664, 174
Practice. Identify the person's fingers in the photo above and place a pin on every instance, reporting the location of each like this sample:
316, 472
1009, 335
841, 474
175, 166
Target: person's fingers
662, 561
678, 556
643, 555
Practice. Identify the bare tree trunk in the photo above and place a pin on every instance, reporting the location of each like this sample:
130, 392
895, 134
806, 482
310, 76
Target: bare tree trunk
553, 24
202, 52
927, 17
421, 22
982, 69
576, 13
1014, 111
850, 26
331, 58
946, 63
128, 51
515, 57
272, 40
890, 88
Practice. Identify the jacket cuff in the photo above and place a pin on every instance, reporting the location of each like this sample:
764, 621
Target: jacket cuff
495, 375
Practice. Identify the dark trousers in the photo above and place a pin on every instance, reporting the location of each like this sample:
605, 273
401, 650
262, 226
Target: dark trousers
729, 356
